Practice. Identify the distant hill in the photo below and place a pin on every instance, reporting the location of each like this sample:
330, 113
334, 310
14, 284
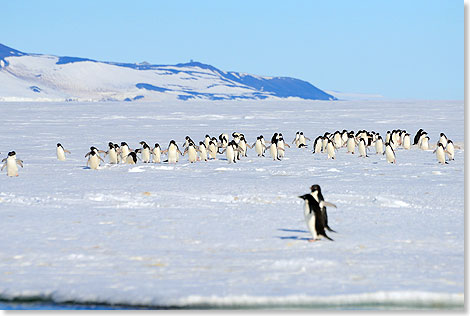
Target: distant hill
38, 77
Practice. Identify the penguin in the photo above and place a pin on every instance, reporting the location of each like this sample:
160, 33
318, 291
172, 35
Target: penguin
191, 150
223, 140
157, 153
274, 150
389, 153
118, 152
443, 140
145, 152
330, 149
344, 136
212, 150
113, 155
313, 218
351, 143
93, 160
315, 191
243, 145
12, 164
125, 150
362, 148
417, 136
259, 146
61, 152
302, 140
173, 152
440, 154
421, 138
230, 151
317, 145
236, 137
131, 158
207, 139
337, 140
203, 151
325, 142
296, 139
379, 145
387, 137
402, 137
396, 137
281, 145
450, 150
406, 141
424, 142
187, 141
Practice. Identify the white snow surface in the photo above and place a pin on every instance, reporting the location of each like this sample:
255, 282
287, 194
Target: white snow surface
214, 234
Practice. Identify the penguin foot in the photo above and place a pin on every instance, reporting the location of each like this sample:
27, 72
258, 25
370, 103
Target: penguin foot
312, 240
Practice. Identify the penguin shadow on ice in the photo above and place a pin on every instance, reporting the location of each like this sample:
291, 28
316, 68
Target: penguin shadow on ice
294, 237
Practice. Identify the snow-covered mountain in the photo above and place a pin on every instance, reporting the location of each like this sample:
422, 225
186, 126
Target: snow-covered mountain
38, 77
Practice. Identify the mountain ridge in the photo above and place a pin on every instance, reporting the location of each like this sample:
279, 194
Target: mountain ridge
46, 77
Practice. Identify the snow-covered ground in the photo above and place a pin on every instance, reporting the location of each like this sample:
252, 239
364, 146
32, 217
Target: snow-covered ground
214, 234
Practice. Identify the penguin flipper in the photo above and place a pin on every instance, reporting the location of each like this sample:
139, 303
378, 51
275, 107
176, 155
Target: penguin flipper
4, 165
20, 162
325, 203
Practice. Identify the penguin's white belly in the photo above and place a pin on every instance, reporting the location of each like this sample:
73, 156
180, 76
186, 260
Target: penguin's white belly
94, 162
450, 151
192, 154
351, 145
113, 158
157, 153
318, 147
124, 152
390, 155
330, 150
424, 144
60, 154
242, 146
273, 151
280, 153
212, 152
203, 154
259, 148
338, 141
441, 157
406, 142
324, 145
362, 149
172, 155
379, 147
145, 155
302, 140
310, 221
12, 167
230, 154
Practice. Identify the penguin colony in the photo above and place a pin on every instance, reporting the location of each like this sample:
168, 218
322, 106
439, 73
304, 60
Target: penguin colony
237, 147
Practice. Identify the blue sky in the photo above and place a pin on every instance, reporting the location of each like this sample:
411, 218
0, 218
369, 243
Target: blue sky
400, 49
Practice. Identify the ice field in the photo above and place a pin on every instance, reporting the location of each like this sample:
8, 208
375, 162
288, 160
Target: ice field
219, 235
